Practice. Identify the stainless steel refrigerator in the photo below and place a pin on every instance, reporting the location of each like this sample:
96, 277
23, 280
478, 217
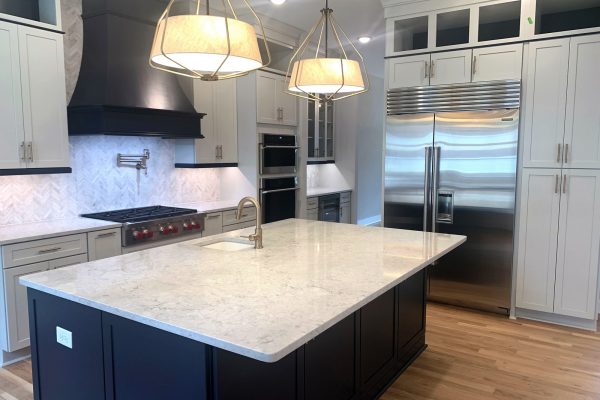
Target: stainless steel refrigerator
450, 167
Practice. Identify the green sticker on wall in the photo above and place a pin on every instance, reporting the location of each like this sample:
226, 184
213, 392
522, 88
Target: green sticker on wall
530, 20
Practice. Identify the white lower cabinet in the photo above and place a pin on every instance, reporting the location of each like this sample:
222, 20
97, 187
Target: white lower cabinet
15, 297
559, 236
213, 224
104, 244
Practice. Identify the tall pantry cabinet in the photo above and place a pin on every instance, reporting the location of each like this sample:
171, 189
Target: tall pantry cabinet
559, 228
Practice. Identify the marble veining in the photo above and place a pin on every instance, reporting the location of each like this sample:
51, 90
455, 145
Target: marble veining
263, 304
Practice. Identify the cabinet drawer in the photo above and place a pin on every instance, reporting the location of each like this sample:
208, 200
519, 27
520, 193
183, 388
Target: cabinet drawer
67, 261
43, 250
345, 197
235, 227
312, 202
249, 214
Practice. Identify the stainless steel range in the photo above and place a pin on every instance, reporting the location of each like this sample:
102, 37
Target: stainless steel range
147, 225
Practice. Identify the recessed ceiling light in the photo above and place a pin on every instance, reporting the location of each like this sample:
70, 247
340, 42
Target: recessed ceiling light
364, 39
278, 2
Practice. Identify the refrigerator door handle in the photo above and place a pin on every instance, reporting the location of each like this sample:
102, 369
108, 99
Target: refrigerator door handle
435, 186
427, 186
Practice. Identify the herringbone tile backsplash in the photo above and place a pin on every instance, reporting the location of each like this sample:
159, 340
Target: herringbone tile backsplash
97, 184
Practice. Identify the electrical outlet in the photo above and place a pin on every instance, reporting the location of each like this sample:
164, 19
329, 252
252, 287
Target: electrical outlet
64, 337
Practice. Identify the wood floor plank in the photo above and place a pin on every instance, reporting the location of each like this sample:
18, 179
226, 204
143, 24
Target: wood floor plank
471, 356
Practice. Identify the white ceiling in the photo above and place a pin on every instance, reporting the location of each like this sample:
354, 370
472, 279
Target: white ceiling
356, 17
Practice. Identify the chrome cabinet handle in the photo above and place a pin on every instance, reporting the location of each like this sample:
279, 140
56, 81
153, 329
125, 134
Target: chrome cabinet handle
30, 151
22, 152
53, 250
432, 70
474, 65
556, 184
564, 186
566, 154
559, 155
105, 235
217, 152
213, 216
426, 69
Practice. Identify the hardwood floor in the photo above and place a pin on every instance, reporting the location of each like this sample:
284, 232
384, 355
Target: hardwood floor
471, 356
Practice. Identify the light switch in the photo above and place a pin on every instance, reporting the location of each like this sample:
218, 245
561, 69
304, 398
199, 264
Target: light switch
64, 337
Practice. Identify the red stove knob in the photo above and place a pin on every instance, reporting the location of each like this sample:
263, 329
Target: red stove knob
173, 229
148, 233
195, 225
187, 226
164, 230
138, 235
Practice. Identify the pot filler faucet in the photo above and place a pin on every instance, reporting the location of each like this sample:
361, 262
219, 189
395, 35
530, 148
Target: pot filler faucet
257, 237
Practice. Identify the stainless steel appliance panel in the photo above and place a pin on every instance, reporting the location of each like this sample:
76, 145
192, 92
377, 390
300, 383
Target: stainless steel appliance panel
409, 141
477, 156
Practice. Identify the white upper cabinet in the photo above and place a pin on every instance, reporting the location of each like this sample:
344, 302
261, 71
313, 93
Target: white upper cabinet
545, 103
408, 71
497, 63
218, 100
451, 67
33, 99
582, 127
273, 105
578, 244
538, 231
44, 98
11, 109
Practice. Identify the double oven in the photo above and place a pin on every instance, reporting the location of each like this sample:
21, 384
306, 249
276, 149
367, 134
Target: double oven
278, 167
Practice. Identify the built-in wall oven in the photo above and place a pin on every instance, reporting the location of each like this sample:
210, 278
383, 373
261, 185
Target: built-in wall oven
278, 154
278, 198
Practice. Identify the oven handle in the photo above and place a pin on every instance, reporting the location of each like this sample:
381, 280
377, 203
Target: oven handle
280, 147
279, 190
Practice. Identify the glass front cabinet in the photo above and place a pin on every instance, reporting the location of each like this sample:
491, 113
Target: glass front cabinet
321, 143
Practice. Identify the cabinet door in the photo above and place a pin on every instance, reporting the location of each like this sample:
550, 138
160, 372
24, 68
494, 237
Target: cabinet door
226, 120
578, 244
104, 244
17, 315
451, 67
206, 150
538, 232
345, 214
497, 63
545, 103
266, 92
408, 71
582, 128
44, 97
313, 214
12, 134
288, 104
213, 224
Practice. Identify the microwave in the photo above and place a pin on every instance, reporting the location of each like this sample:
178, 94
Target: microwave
278, 154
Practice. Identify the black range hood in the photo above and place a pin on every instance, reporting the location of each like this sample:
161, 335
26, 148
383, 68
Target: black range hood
118, 93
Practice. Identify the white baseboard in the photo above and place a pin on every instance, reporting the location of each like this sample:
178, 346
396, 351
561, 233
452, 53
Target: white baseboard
572, 322
14, 357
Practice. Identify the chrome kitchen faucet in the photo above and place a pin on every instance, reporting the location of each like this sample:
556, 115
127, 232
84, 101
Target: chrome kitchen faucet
257, 237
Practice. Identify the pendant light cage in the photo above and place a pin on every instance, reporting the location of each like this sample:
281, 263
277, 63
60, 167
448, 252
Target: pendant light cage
202, 45
327, 66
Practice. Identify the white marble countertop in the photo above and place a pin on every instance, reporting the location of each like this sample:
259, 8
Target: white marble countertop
263, 304
323, 191
41, 230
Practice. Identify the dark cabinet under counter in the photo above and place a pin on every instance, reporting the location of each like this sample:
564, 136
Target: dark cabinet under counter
115, 358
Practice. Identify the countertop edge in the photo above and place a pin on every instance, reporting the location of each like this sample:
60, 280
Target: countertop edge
228, 346
49, 235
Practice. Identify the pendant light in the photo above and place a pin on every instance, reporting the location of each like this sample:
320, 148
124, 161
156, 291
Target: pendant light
318, 71
205, 46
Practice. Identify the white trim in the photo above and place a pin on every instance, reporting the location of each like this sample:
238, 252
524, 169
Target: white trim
572, 322
29, 22
7, 358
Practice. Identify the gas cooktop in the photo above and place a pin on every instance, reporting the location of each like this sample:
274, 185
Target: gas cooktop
140, 214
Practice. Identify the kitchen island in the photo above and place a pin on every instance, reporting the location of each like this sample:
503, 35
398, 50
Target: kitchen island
324, 311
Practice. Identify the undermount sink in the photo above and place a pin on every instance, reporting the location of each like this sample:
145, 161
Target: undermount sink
228, 245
